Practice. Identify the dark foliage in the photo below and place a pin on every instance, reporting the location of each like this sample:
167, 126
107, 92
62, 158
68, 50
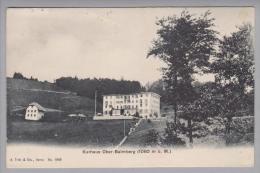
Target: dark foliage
234, 63
20, 76
87, 87
185, 44
234, 69
171, 135
159, 88
152, 138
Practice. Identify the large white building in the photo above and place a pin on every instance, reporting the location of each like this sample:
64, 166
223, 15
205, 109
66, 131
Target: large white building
144, 104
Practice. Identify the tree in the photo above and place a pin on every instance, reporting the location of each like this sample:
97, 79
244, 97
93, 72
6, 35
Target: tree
235, 60
208, 104
34, 79
185, 44
171, 135
87, 87
18, 76
234, 70
152, 138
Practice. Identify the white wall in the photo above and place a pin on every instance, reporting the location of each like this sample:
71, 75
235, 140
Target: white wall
117, 101
32, 113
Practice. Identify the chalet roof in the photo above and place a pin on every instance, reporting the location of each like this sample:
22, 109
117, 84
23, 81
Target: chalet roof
38, 106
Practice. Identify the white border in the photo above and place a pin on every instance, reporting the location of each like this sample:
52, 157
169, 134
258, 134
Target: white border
124, 3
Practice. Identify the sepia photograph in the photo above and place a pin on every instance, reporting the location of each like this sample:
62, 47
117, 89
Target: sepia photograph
151, 87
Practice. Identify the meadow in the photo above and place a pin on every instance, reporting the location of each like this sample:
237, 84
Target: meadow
74, 133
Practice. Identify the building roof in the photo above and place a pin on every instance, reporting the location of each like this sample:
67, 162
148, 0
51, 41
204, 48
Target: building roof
38, 106
130, 94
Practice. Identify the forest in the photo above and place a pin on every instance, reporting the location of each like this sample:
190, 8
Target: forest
87, 87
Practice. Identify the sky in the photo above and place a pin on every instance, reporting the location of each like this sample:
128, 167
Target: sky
97, 42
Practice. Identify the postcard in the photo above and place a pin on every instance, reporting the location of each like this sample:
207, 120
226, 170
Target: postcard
130, 87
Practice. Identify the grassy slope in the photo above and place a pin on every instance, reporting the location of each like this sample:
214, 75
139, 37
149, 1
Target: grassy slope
82, 133
138, 137
22, 92
97, 133
30, 84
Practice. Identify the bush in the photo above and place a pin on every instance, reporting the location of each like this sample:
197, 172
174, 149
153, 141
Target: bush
248, 139
199, 130
171, 134
216, 125
242, 131
243, 124
152, 138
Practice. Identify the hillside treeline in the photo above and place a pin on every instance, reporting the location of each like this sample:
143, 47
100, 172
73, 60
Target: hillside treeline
87, 87
18, 75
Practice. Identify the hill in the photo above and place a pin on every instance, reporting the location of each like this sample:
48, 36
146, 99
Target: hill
80, 133
31, 84
21, 92
138, 137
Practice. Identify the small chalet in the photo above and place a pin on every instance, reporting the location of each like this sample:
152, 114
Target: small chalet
34, 112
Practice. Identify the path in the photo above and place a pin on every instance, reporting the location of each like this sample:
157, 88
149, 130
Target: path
137, 138
133, 129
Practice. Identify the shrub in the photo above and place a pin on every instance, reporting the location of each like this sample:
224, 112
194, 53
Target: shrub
171, 135
152, 138
242, 131
243, 124
199, 130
